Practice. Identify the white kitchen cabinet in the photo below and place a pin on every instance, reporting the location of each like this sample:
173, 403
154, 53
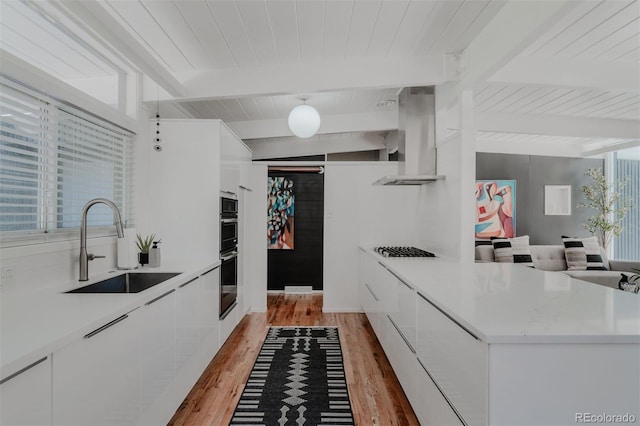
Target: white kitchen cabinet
456, 360
158, 359
96, 378
402, 358
369, 300
25, 396
234, 158
399, 338
208, 312
187, 325
432, 407
228, 323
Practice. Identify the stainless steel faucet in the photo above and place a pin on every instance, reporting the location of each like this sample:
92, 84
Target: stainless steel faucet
84, 257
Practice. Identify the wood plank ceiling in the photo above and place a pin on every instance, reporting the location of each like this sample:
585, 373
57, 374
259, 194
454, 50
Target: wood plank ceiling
245, 61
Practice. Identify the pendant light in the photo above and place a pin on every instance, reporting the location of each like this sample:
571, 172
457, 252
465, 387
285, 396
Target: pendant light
304, 120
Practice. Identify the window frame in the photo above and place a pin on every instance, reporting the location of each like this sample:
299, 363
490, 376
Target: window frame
47, 223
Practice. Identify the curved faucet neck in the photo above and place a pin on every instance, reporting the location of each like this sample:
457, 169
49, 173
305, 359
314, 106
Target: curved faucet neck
84, 258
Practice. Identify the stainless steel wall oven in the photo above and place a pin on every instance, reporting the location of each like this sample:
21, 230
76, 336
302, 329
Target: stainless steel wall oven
228, 253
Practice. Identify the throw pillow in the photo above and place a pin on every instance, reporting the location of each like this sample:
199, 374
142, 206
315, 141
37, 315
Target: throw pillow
512, 250
502, 251
583, 254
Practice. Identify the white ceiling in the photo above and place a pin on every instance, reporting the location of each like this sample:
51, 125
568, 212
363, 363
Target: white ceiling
248, 62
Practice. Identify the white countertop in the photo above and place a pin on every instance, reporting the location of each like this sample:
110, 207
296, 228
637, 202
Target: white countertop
508, 303
37, 324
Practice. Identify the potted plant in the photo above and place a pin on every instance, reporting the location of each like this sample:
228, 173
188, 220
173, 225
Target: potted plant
611, 206
144, 244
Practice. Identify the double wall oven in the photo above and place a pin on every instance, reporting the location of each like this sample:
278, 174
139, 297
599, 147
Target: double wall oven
228, 253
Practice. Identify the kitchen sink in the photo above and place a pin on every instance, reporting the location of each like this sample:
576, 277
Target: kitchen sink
130, 282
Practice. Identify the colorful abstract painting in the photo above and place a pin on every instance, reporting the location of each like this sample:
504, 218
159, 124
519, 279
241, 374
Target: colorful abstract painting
280, 211
495, 209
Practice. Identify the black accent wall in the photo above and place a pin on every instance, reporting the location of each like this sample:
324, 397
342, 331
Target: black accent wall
532, 173
301, 266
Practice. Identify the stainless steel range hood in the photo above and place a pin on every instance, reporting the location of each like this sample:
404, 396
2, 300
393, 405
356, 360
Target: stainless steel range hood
416, 139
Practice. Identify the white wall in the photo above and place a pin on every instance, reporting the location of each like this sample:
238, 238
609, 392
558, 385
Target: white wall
356, 212
30, 268
445, 208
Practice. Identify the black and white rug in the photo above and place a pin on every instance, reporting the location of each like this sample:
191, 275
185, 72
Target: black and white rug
298, 379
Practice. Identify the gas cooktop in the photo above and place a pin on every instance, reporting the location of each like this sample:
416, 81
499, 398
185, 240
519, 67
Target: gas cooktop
396, 251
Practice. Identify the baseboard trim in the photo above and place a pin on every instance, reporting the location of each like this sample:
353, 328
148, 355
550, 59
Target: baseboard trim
298, 289
341, 311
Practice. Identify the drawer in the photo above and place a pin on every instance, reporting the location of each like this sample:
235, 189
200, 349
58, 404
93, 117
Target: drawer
402, 359
403, 309
370, 305
456, 360
432, 409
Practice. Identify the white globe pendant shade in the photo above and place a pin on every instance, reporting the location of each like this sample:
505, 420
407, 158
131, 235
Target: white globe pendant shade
304, 121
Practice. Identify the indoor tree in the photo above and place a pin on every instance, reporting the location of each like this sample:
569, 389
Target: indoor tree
612, 207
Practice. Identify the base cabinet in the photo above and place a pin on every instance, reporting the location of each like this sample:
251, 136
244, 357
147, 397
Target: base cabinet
95, 380
402, 359
432, 408
25, 396
228, 323
158, 359
187, 335
208, 312
456, 360
136, 369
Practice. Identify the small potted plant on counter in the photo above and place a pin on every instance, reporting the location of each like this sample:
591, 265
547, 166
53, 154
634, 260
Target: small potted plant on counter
144, 244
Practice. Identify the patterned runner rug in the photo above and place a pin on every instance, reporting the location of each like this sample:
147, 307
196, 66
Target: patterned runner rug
298, 379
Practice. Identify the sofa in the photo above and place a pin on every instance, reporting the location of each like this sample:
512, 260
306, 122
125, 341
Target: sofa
552, 258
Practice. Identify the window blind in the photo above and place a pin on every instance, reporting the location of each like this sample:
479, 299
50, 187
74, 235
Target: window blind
55, 158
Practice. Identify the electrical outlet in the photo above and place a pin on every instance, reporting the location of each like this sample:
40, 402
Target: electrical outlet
6, 276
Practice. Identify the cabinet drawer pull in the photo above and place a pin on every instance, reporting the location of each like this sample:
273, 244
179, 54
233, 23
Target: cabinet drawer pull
159, 297
411, 288
104, 327
395, 275
372, 293
188, 282
401, 334
448, 316
19, 372
442, 393
210, 270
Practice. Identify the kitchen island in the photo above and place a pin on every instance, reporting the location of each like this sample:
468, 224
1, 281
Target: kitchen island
482, 344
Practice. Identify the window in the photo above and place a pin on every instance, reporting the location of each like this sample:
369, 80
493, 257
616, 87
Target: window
54, 158
626, 246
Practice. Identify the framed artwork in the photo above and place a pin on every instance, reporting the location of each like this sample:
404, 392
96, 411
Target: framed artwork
557, 200
280, 213
495, 209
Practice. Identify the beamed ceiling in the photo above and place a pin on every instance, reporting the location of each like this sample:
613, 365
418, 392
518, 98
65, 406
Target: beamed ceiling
560, 73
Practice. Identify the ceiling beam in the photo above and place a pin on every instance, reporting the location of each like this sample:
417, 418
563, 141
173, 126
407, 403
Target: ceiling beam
101, 22
550, 148
581, 127
295, 147
352, 74
568, 72
610, 148
513, 28
331, 123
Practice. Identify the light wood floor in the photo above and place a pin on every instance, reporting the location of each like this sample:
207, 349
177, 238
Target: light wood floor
376, 395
